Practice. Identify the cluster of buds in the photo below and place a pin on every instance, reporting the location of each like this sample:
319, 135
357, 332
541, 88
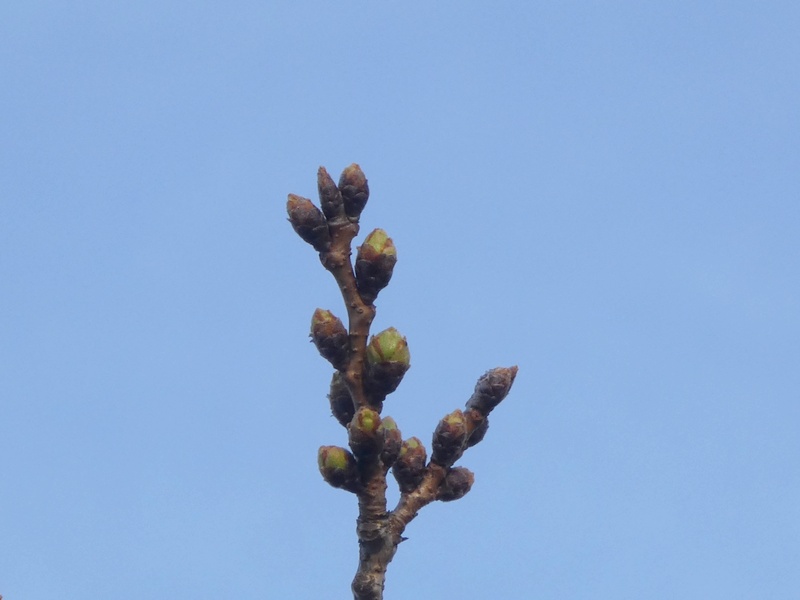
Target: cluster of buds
368, 369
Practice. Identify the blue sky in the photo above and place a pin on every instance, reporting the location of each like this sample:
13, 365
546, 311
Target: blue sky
605, 194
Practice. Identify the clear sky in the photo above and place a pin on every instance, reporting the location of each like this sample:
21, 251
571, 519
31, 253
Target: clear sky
606, 194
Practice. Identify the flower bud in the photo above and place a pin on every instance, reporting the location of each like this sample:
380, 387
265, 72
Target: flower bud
491, 388
330, 337
388, 359
392, 441
480, 429
366, 435
330, 198
341, 401
338, 467
409, 468
389, 346
309, 222
355, 191
374, 264
449, 438
455, 485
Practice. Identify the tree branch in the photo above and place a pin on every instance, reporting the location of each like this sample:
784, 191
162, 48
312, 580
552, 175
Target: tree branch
366, 372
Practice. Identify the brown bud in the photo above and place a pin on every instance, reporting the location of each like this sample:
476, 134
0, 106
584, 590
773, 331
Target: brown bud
409, 468
374, 264
480, 429
330, 337
449, 438
330, 198
355, 191
341, 401
455, 485
309, 222
491, 388
392, 441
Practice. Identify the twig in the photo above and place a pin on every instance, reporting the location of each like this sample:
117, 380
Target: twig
366, 372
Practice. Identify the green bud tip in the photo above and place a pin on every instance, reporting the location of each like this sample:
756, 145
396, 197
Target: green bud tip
365, 434
455, 418
389, 424
367, 420
333, 458
388, 346
412, 444
338, 467
321, 316
378, 242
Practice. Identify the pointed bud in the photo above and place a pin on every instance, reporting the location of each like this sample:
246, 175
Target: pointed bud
355, 191
392, 441
449, 439
491, 388
338, 467
388, 359
309, 222
366, 435
374, 264
409, 468
330, 198
330, 337
456, 484
341, 401
480, 429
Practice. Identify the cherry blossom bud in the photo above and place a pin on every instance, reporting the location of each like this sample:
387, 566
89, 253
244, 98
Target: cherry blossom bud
338, 467
449, 438
491, 388
409, 468
374, 264
455, 485
355, 191
309, 222
330, 337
